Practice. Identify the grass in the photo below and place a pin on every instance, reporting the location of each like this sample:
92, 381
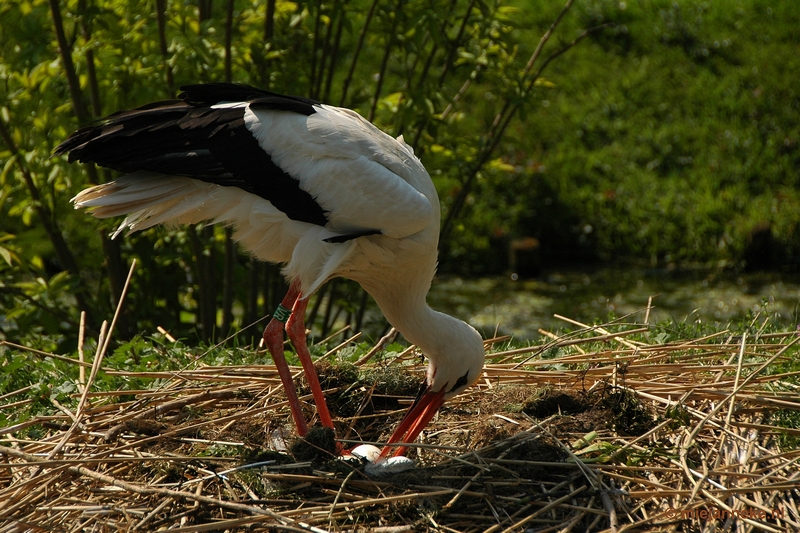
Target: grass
596, 428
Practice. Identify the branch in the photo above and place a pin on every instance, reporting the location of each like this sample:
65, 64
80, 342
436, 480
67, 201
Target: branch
359, 47
314, 52
339, 13
60, 246
69, 66
115, 266
161, 9
94, 90
228, 42
269, 20
503, 118
453, 49
385, 61
230, 253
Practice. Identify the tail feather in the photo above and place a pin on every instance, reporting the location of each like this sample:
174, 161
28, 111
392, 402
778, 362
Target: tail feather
132, 193
148, 199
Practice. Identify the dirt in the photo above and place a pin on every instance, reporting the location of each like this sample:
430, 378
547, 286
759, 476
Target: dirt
574, 412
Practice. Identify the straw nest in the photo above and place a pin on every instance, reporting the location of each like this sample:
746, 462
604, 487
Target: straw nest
591, 432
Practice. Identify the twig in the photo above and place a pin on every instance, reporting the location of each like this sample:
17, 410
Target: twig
81, 358
385, 340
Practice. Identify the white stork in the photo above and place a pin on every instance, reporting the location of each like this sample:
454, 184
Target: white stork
314, 187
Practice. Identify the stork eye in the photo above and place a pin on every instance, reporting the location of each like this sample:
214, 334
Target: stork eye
460, 382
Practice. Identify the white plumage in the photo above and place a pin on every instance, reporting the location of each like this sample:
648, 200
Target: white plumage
321, 190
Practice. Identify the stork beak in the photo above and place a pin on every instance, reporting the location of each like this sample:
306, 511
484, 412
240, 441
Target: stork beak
419, 414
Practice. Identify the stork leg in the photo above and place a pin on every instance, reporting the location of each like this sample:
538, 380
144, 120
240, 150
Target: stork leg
296, 330
291, 312
273, 338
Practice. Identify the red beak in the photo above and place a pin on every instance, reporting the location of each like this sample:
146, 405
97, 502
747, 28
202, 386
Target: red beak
419, 414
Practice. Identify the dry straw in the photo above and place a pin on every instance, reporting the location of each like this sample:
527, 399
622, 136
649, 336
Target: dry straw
613, 433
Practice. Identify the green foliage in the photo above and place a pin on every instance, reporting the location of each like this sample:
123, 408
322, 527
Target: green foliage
65, 64
40, 379
668, 140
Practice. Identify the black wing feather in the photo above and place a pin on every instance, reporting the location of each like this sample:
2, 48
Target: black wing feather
188, 138
213, 93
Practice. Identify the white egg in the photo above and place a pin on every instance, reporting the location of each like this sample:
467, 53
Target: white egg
392, 465
367, 451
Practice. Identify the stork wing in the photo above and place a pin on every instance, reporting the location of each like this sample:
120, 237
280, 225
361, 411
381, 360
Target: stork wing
318, 164
193, 139
359, 175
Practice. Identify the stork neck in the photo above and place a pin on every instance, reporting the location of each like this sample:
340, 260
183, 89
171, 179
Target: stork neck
410, 314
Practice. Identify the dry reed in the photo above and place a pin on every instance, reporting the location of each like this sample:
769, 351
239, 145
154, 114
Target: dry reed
612, 434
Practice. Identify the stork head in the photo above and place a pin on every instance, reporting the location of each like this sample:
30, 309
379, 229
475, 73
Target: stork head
454, 364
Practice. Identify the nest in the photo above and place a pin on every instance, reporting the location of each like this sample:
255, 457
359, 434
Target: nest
590, 432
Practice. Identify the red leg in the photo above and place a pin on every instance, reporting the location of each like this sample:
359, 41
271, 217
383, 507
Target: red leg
296, 329
273, 337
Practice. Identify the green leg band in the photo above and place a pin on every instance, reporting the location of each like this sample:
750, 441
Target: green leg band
281, 314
